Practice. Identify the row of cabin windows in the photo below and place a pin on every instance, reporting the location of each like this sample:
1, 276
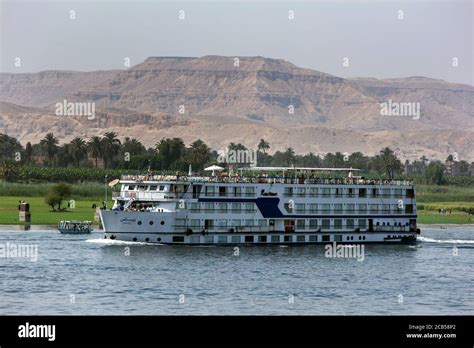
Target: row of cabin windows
229, 191
235, 207
220, 223
238, 191
301, 224
324, 208
235, 191
349, 208
348, 192
264, 239
144, 188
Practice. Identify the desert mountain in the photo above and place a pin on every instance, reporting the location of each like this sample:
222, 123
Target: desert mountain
219, 101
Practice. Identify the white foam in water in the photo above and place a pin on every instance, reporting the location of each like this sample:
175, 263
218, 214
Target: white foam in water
446, 241
104, 241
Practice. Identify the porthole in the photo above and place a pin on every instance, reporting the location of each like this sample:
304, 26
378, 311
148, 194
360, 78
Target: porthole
162, 222
363, 237
139, 222
151, 222
359, 237
134, 239
158, 239
147, 239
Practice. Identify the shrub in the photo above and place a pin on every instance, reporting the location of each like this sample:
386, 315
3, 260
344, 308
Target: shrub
56, 194
52, 199
469, 210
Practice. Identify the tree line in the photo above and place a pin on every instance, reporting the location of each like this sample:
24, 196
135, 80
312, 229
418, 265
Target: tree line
110, 152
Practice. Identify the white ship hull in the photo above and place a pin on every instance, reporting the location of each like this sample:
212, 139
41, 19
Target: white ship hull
124, 226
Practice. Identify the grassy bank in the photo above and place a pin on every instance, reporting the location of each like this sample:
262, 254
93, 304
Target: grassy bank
84, 194
432, 217
41, 213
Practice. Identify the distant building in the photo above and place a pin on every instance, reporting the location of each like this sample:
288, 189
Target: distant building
458, 168
471, 169
408, 168
450, 167
416, 168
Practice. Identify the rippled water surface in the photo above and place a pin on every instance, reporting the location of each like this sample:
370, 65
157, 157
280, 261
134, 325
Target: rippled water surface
89, 275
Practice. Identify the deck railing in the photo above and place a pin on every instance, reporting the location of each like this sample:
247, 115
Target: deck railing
266, 180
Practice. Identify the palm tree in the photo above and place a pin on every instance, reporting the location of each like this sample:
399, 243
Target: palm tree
110, 147
28, 153
311, 160
170, 152
390, 162
133, 146
78, 150
359, 161
199, 154
289, 156
263, 146
236, 147
94, 148
49, 146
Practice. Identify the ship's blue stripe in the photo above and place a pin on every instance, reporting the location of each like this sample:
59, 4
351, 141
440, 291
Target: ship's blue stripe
268, 207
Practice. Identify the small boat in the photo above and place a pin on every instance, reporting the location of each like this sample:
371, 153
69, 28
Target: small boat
75, 227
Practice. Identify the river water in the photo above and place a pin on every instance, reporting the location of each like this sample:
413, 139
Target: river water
89, 275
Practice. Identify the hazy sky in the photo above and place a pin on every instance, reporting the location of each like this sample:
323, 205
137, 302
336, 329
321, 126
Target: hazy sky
322, 33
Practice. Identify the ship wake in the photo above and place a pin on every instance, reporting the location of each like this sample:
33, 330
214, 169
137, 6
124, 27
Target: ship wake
445, 241
103, 241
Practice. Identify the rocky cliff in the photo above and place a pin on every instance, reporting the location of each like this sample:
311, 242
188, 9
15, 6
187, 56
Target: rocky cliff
220, 99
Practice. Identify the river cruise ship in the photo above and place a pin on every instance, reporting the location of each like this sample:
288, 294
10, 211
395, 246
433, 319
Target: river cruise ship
270, 206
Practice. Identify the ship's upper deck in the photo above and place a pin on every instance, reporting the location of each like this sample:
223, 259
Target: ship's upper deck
268, 175
300, 180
